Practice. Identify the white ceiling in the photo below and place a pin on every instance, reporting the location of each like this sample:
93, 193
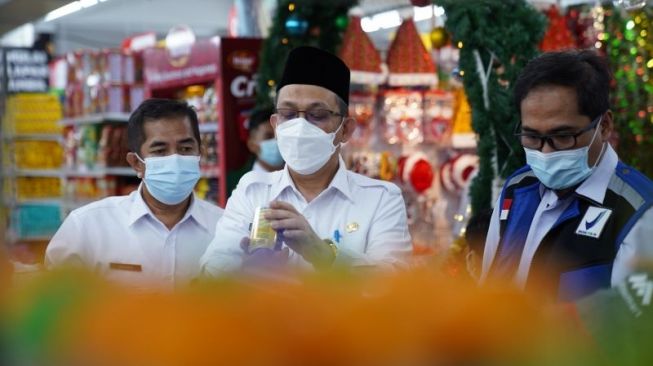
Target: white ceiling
108, 23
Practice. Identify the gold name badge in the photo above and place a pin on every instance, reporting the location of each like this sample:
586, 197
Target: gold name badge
351, 227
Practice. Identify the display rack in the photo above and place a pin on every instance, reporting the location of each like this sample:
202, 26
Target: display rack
32, 157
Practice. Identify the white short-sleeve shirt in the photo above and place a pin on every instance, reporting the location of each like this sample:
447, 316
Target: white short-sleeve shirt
121, 239
366, 218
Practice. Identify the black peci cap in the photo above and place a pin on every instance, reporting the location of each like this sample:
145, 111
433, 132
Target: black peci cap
313, 66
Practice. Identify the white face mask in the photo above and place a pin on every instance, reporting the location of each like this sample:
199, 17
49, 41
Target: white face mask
304, 146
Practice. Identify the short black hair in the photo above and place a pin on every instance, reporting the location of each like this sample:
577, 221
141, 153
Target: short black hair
259, 116
586, 71
154, 109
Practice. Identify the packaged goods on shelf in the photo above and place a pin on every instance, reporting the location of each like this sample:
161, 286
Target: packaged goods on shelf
35, 220
37, 154
32, 114
38, 187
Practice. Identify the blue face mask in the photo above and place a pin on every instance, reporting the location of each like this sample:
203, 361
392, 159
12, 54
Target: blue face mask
270, 154
562, 169
171, 179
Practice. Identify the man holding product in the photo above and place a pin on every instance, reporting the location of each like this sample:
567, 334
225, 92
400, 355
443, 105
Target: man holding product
322, 213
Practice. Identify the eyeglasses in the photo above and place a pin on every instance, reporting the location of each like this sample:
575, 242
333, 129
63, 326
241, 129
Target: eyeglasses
315, 115
558, 141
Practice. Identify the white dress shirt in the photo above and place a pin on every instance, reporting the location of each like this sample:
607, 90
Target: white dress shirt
636, 245
366, 218
257, 167
121, 239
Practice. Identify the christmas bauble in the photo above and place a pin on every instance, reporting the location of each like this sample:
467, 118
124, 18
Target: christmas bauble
439, 37
342, 21
315, 31
296, 25
629, 4
420, 2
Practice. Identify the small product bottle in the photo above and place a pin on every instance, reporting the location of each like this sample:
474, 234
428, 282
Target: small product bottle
262, 234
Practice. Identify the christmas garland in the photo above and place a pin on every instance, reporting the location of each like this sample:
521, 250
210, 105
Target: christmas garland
496, 39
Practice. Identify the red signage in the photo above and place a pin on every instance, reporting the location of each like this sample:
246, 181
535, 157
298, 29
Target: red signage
239, 63
201, 65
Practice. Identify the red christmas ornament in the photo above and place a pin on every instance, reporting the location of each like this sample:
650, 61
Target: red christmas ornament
416, 171
420, 2
421, 177
557, 37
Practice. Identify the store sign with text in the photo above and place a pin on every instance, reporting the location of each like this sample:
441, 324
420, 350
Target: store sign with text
25, 70
239, 65
163, 70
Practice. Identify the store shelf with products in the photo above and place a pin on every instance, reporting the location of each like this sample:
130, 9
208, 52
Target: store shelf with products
115, 117
32, 159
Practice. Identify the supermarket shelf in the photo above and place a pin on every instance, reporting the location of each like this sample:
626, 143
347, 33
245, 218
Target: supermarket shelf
208, 127
210, 173
124, 171
35, 136
32, 238
100, 172
36, 173
39, 201
95, 119
73, 204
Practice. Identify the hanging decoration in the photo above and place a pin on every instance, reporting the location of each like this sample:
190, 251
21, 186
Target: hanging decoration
296, 26
439, 37
403, 117
341, 22
360, 55
409, 63
493, 35
416, 171
438, 116
557, 37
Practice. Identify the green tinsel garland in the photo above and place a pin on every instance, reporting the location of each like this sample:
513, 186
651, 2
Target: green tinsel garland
326, 20
507, 31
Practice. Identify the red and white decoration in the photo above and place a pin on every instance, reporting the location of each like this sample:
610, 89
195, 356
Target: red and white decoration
409, 63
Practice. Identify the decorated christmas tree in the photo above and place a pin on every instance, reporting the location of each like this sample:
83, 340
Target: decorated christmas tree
496, 39
299, 23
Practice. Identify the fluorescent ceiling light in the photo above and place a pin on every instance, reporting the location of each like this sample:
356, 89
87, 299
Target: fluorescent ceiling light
392, 19
385, 20
70, 8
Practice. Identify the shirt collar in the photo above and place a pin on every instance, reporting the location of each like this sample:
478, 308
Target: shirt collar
140, 209
595, 186
340, 182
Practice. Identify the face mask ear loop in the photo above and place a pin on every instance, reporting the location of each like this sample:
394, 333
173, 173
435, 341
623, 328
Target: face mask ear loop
335, 133
139, 158
603, 146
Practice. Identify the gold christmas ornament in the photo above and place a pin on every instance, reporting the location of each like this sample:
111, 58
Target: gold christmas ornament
439, 37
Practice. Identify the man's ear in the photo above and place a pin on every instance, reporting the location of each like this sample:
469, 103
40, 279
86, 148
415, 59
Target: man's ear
348, 128
136, 164
274, 119
607, 126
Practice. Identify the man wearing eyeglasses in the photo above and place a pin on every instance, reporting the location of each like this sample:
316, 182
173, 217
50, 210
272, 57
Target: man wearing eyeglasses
575, 218
324, 214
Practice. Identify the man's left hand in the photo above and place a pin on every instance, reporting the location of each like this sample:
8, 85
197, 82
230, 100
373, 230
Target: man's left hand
298, 233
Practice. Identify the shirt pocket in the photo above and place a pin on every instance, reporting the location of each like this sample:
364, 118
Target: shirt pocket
353, 235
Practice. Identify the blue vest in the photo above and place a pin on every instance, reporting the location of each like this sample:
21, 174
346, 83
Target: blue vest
567, 265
